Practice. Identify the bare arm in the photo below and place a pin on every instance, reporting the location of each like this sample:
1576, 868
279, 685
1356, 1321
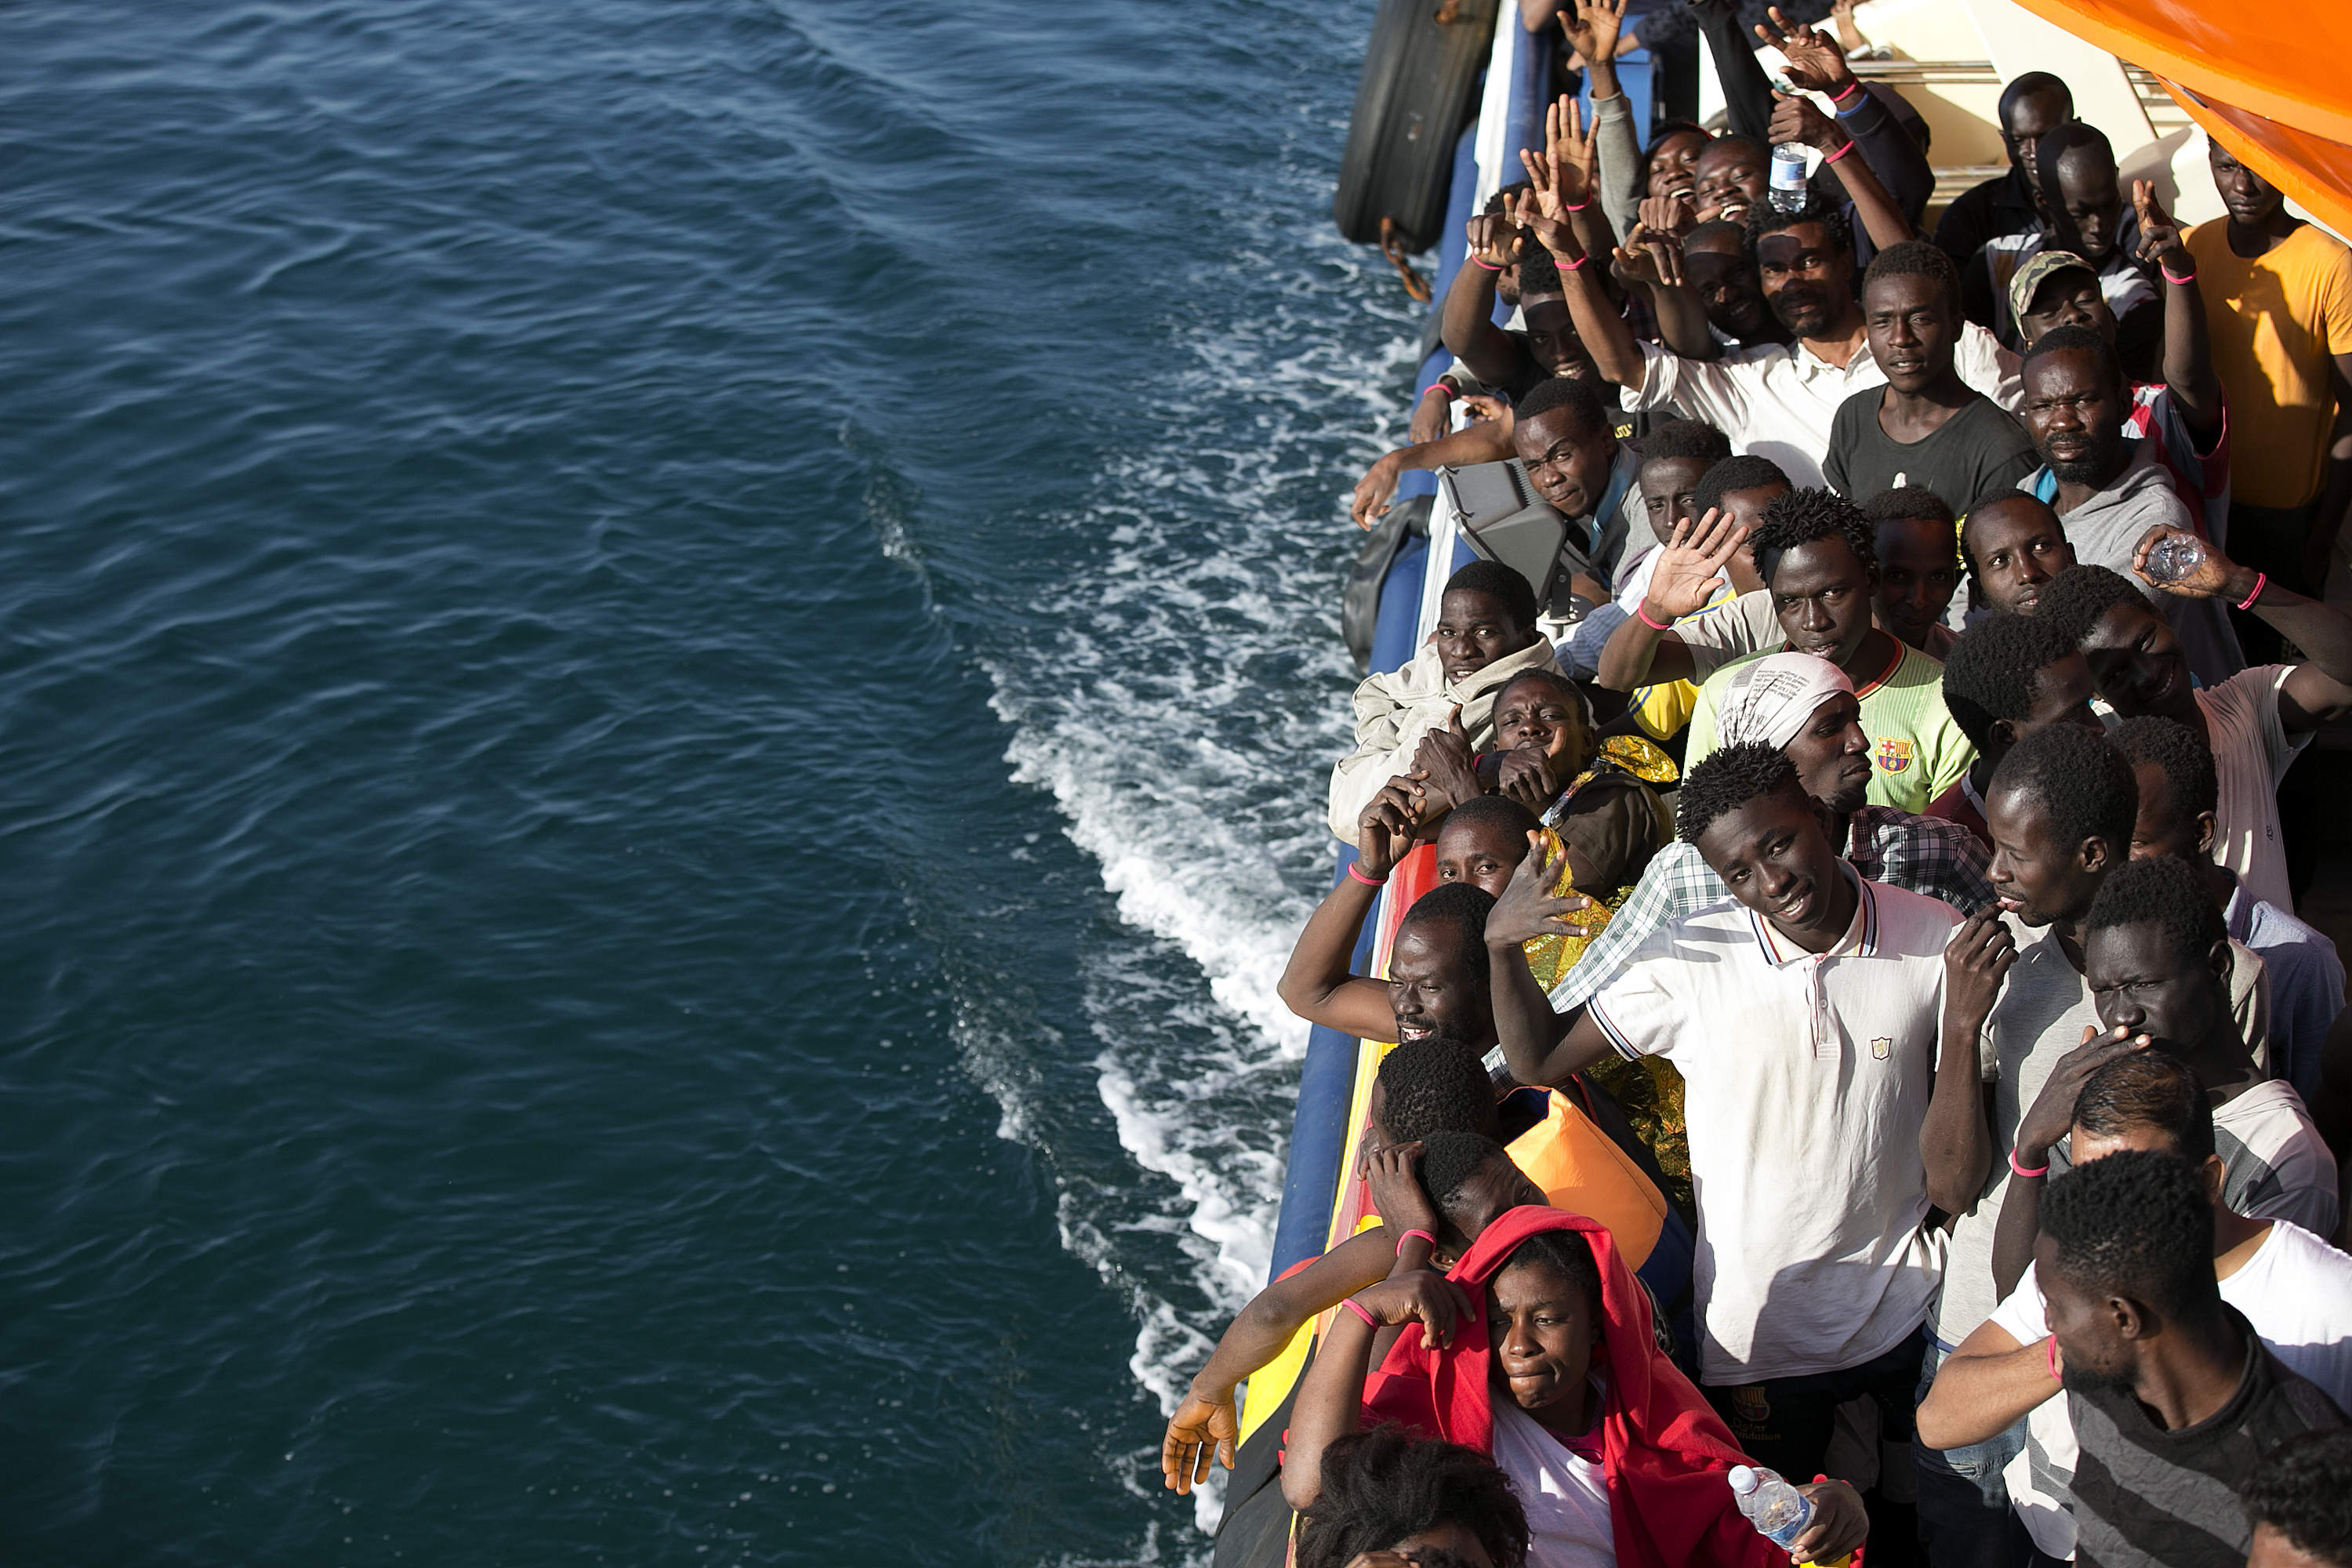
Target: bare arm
1690, 569
2318, 689
1332, 1392
1954, 1142
1554, 175
1486, 441
1467, 325
2188, 348
1985, 1387
1796, 120
1317, 984
1636, 656
1899, 170
2038, 1130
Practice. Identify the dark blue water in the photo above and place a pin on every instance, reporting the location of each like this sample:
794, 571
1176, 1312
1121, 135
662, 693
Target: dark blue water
667, 665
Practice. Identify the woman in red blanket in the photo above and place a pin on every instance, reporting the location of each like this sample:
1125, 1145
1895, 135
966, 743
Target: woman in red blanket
1615, 1455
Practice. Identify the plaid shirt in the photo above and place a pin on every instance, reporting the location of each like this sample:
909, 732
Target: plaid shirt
1920, 854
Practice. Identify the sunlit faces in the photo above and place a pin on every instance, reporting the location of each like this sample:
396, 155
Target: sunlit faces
1483, 854
1541, 714
1821, 596
1432, 991
2035, 876
2140, 981
2251, 199
1775, 856
1911, 323
1831, 755
1672, 162
1541, 1326
1808, 280
1568, 465
1918, 571
2016, 545
1474, 630
1731, 176
1669, 487
2073, 414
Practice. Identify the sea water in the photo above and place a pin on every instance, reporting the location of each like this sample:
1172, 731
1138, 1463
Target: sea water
667, 672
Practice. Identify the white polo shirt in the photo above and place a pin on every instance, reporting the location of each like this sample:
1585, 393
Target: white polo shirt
1778, 400
1806, 1080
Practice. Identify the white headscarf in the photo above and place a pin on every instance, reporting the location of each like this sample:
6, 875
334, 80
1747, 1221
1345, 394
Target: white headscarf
1774, 698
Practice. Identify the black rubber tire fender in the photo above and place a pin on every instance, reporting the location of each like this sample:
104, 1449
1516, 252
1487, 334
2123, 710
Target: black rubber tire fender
1415, 95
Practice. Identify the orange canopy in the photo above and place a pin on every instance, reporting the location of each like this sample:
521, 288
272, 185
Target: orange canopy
2267, 80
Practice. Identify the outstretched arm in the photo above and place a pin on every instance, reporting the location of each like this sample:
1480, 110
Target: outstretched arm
1332, 1392
1796, 120
1467, 324
1544, 210
1747, 91
1318, 984
2187, 347
1817, 64
1487, 441
2317, 690
1985, 1387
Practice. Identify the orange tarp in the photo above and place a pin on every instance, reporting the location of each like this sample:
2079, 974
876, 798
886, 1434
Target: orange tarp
2266, 80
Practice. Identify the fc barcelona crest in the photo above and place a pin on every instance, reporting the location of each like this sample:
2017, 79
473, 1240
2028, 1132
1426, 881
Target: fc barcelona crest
1894, 755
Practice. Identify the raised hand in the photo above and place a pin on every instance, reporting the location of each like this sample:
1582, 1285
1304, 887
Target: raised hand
1849, 30
1529, 908
2046, 1119
1690, 568
2159, 235
2215, 577
1795, 118
1422, 1297
1497, 238
1975, 961
1592, 26
1396, 1192
1200, 1431
1444, 758
1559, 179
1816, 63
1670, 216
1388, 826
1649, 257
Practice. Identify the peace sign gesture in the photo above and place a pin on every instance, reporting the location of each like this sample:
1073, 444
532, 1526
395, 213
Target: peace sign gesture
1816, 63
1559, 179
2159, 235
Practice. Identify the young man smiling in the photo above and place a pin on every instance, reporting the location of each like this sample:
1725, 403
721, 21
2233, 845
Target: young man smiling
1925, 426
1819, 557
1814, 1270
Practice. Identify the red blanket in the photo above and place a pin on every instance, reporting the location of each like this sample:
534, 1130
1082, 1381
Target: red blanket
1664, 1451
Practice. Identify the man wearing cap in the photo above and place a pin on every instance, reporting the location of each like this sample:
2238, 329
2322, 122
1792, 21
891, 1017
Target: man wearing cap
1802, 706
2076, 171
2185, 413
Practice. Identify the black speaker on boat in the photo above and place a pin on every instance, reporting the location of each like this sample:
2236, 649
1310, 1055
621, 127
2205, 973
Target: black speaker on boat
1414, 98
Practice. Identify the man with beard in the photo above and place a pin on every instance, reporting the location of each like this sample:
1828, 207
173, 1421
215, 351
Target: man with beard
1818, 555
1804, 708
2033, 104
2111, 493
2089, 218
1816, 1271
1925, 426
2013, 547
2174, 1398
2281, 296
1772, 400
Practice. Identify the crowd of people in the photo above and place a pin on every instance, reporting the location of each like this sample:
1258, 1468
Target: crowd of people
1861, 1029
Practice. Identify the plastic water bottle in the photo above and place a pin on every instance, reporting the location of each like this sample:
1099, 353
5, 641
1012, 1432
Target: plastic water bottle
1778, 1512
1787, 192
2175, 557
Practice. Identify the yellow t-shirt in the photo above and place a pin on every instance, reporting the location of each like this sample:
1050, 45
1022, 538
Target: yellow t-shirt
2273, 321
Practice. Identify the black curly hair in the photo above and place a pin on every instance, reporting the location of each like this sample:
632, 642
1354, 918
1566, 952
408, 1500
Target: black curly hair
1802, 517
1910, 504
1990, 672
1745, 471
1916, 259
1556, 392
1726, 779
2164, 891
2079, 596
1501, 583
1449, 1158
1434, 1085
1538, 273
1461, 907
2152, 1089
1567, 1254
1689, 438
2136, 1225
2179, 753
2080, 340
2085, 786
1499, 809
1390, 1484
2302, 1489
1764, 218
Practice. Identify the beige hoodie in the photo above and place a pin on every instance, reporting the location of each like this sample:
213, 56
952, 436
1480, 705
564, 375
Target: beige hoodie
1395, 710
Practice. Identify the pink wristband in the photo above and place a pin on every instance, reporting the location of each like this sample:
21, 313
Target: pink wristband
1840, 153
1576, 207
1571, 266
2172, 277
2262, 579
1489, 266
1641, 614
2020, 1170
1357, 1308
1368, 882
2054, 1374
1408, 1236
1854, 84
1437, 386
